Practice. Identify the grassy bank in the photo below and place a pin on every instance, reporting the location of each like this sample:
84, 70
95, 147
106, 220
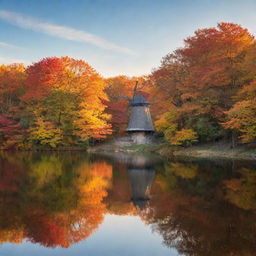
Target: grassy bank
214, 150
218, 151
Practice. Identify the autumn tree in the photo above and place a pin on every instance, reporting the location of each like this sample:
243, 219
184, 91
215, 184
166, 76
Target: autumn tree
65, 95
242, 116
10, 133
12, 79
164, 85
202, 78
214, 57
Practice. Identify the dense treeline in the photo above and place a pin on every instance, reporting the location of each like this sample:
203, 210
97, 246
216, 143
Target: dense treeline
207, 88
201, 92
55, 102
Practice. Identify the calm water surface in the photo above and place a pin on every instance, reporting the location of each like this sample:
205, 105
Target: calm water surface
76, 204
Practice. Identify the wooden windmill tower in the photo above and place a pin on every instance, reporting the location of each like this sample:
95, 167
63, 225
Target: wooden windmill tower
140, 126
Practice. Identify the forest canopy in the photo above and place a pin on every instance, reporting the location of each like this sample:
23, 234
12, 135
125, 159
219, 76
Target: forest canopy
55, 102
202, 92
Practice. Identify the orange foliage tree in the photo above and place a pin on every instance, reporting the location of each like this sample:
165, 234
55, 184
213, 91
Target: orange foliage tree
242, 116
12, 79
200, 80
67, 95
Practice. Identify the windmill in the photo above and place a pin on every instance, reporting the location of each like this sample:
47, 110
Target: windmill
140, 125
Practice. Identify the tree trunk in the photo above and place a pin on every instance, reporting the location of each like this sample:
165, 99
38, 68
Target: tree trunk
233, 138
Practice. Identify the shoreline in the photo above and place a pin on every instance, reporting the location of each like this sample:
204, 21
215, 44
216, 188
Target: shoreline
211, 154
207, 151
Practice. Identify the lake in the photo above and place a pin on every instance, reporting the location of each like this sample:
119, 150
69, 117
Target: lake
125, 205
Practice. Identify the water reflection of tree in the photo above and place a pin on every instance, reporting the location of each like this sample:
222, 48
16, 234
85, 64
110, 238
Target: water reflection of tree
51, 200
205, 208
119, 195
193, 214
241, 191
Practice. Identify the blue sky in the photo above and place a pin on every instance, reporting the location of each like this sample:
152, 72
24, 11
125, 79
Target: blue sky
115, 37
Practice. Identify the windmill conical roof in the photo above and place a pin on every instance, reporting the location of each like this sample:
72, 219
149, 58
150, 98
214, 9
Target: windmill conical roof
139, 100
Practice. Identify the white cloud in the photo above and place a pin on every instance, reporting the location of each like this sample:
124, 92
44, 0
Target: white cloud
3, 44
61, 31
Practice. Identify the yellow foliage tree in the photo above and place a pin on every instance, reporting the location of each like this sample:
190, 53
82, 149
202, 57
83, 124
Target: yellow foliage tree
184, 137
46, 133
